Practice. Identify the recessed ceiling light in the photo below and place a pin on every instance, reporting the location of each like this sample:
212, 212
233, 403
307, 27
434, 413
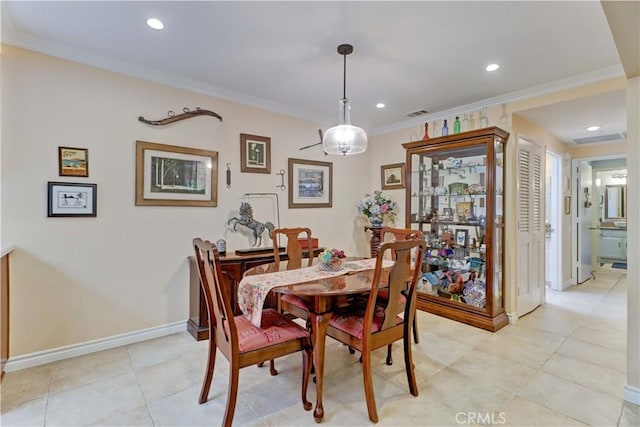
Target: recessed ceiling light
492, 67
380, 105
154, 23
593, 128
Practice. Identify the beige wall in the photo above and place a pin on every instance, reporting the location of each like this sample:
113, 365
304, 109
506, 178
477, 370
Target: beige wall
79, 279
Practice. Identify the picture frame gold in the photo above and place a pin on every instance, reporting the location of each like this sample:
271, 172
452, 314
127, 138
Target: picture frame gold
392, 176
255, 153
73, 161
310, 184
171, 175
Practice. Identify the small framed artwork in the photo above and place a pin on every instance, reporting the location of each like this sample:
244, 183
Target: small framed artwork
71, 199
447, 214
73, 161
310, 184
169, 175
255, 153
392, 176
461, 237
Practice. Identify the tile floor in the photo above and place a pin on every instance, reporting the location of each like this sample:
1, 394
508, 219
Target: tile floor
562, 365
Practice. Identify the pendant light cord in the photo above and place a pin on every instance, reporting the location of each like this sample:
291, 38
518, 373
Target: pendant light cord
344, 76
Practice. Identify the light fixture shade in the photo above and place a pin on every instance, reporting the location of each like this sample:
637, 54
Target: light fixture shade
344, 139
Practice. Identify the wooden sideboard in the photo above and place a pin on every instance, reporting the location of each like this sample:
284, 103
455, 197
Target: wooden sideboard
233, 267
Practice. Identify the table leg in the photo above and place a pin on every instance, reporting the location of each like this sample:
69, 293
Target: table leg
319, 324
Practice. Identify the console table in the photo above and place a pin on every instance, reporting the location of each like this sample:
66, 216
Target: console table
233, 267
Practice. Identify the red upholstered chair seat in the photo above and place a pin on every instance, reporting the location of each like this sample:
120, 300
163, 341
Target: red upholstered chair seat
353, 322
274, 329
295, 300
383, 295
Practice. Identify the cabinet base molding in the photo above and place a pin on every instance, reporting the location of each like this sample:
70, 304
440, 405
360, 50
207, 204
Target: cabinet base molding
478, 320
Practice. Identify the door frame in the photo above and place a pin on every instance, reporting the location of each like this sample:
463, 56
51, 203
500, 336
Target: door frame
574, 193
555, 243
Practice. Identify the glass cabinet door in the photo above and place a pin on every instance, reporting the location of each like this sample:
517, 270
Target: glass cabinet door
449, 205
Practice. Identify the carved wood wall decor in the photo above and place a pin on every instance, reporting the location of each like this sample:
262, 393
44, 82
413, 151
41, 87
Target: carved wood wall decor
187, 114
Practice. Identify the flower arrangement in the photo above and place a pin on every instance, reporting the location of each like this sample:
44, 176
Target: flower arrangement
331, 259
377, 207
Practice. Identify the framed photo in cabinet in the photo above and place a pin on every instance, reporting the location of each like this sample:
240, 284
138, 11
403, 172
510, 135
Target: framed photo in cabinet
461, 238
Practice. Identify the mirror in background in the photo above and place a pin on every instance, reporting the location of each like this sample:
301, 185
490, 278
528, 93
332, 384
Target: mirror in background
615, 202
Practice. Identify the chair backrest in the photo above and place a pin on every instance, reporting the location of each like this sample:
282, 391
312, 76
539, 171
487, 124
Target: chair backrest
402, 278
222, 326
399, 234
294, 250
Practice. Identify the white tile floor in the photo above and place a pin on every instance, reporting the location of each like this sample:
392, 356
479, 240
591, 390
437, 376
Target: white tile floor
562, 365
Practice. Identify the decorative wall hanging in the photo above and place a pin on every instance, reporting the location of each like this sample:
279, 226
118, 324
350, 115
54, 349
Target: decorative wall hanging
282, 187
169, 175
255, 153
317, 143
73, 161
310, 184
187, 114
392, 176
68, 199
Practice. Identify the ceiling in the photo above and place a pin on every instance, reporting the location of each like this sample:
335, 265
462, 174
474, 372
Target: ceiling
282, 55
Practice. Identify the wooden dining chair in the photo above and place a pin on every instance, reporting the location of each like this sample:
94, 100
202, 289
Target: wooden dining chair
398, 234
378, 325
242, 343
288, 303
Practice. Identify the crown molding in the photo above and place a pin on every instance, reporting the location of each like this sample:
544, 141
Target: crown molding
574, 81
18, 39
47, 47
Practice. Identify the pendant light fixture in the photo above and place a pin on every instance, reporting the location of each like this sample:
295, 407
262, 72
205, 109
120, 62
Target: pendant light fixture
344, 138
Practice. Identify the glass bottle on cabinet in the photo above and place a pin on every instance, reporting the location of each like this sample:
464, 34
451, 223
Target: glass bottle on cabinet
455, 197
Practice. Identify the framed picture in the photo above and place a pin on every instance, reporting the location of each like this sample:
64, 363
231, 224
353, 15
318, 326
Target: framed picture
310, 184
169, 175
73, 161
392, 176
255, 153
447, 214
461, 237
71, 199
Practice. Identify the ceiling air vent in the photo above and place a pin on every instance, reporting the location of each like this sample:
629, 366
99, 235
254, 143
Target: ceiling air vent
600, 138
417, 113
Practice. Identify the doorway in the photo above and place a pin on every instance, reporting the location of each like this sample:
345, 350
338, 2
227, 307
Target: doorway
587, 219
553, 221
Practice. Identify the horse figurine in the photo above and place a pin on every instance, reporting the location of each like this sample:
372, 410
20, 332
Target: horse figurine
246, 219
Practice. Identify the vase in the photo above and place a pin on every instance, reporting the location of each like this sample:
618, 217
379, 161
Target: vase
376, 222
335, 264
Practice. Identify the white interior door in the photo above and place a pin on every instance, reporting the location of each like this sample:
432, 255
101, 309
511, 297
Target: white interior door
584, 220
531, 230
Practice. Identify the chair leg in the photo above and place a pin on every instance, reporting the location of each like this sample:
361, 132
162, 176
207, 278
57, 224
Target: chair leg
389, 358
232, 395
208, 375
272, 368
416, 338
408, 363
307, 364
368, 385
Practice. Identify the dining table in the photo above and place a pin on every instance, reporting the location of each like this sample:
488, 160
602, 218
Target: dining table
324, 292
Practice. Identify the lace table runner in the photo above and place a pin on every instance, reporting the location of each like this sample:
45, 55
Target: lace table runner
252, 290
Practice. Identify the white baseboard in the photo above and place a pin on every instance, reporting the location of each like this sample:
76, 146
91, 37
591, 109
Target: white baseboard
52, 355
566, 285
632, 394
513, 318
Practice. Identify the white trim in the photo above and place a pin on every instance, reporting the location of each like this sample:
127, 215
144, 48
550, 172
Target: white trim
632, 394
575, 81
52, 355
513, 318
567, 284
16, 38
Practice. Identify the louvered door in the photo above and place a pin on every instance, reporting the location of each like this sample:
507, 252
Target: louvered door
530, 202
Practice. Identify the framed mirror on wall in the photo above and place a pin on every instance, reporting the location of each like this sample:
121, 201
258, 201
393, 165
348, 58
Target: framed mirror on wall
615, 202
